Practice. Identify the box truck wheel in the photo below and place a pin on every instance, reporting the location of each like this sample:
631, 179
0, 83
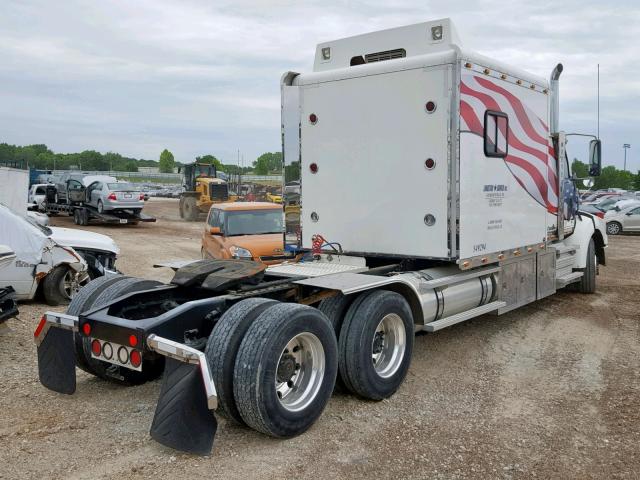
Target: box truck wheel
152, 364
285, 370
76, 217
335, 309
376, 342
59, 286
222, 349
82, 302
587, 283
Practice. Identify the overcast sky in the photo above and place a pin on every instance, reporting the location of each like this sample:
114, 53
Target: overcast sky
197, 77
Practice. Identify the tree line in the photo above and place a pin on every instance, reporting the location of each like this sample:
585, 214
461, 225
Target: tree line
610, 177
41, 157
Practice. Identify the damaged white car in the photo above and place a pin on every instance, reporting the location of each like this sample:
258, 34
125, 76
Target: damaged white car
40, 263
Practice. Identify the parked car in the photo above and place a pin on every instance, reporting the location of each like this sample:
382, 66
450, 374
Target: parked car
615, 203
114, 196
40, 264
619, 206
626, 220
592, 209
249, 230
37, 195
98, 250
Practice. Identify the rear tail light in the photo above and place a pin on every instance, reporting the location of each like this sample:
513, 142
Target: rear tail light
112, 196
86, 329
40, 326
600, 214
142, 196
136, 358
96, 348
133, 340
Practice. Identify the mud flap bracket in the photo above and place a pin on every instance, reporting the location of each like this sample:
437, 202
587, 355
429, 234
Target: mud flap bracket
184, 419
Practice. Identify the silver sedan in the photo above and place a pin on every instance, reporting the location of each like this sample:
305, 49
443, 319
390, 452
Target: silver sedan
625, 220
115, 196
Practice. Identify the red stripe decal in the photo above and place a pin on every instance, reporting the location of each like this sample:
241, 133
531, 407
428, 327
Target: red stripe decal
517, 106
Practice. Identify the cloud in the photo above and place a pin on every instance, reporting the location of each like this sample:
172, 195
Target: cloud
203, 77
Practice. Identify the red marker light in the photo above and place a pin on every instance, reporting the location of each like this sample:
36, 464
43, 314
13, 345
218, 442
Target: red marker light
96, 348
313, 167
430, 163
136, 358
40, 326
86, 329
313, 118
133, 340
430, 106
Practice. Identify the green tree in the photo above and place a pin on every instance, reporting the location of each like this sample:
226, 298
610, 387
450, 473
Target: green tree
268, 163
211, 160
292, 172
579, 169
167, 162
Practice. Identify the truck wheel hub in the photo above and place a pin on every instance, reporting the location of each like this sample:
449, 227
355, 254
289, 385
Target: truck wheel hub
286, 368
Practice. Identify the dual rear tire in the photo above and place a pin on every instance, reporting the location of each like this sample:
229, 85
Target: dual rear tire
275, 364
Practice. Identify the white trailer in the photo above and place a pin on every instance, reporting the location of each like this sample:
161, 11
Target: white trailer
433, 188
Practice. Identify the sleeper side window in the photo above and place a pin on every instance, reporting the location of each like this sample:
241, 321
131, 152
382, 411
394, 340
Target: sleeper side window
496, 134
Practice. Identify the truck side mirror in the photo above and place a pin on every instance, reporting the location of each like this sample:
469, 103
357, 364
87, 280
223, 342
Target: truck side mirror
595, 160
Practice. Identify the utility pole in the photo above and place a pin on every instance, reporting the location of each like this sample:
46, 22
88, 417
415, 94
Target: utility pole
625, 146
598, 134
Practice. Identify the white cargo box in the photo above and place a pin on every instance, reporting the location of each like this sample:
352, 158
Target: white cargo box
390, 133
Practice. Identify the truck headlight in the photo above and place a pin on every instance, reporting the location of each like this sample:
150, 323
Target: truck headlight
239, 252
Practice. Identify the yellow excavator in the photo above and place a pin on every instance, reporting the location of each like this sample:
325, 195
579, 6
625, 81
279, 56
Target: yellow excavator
202, 189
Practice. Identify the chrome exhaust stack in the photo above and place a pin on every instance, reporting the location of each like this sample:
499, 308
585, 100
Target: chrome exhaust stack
554, 84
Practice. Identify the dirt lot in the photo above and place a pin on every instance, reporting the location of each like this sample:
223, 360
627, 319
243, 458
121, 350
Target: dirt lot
547, 391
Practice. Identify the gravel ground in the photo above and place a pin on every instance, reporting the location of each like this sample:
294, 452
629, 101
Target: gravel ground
547, 391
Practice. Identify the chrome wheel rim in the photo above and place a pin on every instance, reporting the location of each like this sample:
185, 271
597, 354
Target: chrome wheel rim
70, 284
613, 228
388, 345
299, 372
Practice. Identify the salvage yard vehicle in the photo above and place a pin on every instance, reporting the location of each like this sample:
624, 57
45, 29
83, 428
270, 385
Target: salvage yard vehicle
84, 202
114, 196
40, 264
626, 219
246, 230
99, 251
202, 188
37, 195
475, 216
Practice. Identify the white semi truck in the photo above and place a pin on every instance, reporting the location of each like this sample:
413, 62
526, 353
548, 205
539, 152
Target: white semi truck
434, 188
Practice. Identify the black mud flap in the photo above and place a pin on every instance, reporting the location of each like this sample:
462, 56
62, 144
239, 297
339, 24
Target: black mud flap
183, 420
57, 362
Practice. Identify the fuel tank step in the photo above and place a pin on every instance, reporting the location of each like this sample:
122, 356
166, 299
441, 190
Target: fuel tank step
461, 317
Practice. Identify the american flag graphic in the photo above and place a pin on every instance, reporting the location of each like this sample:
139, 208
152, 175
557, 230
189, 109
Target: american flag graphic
530, 156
